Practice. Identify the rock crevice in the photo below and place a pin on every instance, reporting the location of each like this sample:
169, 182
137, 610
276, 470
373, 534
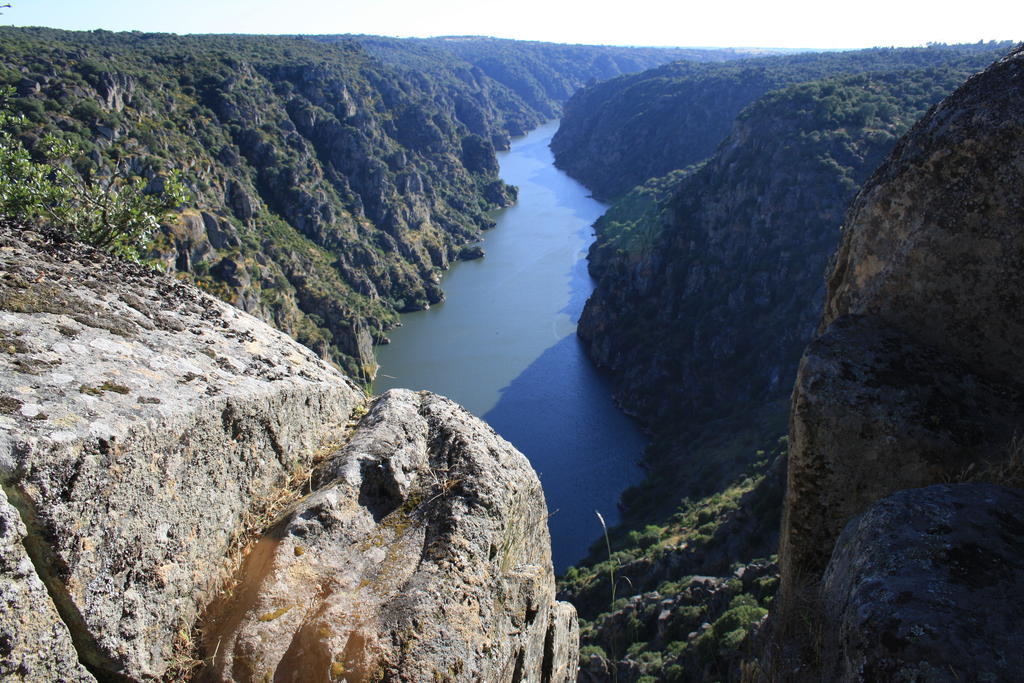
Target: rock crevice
146, 428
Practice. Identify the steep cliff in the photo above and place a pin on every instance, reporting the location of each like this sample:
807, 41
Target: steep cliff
914, 380
616, 135
151, 434
709, 281
333, 180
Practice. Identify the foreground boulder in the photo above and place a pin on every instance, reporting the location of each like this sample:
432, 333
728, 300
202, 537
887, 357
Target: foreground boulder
426, 557
916, 379
875, 412
147, 430
142, 421
922, 586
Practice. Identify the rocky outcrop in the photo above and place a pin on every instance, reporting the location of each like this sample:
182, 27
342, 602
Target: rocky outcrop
148, 428
875, 412
915, 379
917, 371
425, 556
925, 585
142, 422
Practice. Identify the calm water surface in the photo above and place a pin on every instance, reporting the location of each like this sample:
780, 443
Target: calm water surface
503, 344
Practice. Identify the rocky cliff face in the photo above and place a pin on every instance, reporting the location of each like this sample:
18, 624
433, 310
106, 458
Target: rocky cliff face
915, 380
709, 280
424, 556
706, 292
150, 432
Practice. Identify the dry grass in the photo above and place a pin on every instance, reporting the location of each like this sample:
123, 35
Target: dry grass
1005, 471
794, 646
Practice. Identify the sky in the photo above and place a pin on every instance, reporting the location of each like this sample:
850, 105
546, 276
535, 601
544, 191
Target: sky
703, 23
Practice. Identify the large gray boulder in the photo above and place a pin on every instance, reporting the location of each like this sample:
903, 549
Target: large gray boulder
424, 556
928, 585
917, 372
141, 422
148, 434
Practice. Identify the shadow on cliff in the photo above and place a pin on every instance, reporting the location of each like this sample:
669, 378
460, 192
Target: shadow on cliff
585, 450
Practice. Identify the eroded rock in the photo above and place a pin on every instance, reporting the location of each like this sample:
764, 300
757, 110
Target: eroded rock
873, 412
426, 556
932, 245
925, 585
35, 645
142, 420
917, 371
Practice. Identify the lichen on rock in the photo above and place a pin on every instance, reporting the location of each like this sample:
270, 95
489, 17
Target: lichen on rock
144, 420
145, 427
425, 554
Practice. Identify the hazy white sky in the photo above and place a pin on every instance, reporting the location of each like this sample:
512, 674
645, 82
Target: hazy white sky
747, 23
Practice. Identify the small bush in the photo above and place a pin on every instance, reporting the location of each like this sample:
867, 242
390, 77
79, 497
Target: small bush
113, 211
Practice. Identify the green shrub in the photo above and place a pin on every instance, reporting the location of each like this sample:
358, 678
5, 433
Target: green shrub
112, 211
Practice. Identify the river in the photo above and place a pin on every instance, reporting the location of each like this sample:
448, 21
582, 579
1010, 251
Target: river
503, 344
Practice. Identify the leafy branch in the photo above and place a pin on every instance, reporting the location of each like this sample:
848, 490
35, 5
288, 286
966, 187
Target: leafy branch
111, 210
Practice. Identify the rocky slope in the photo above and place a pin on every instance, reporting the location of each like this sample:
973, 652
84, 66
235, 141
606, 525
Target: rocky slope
709, 281
618, 134
708, 286
914, 380
333, 180
149, 436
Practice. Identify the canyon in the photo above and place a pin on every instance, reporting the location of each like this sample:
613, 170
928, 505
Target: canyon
191, 493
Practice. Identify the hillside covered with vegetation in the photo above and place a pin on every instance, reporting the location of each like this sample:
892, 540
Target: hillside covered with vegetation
618, 134
332, 179
710, 280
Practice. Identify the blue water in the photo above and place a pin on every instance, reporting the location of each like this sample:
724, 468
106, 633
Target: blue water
503, 344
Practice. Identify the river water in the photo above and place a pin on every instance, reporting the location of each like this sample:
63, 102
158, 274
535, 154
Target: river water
503, 344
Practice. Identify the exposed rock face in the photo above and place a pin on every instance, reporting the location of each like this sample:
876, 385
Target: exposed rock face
875, 412
709, 281
426, 556
916, 380
933, 244
927, 380
143, 424
925, 586
36, 645
142, 420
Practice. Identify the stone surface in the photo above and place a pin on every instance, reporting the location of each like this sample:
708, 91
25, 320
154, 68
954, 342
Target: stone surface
140, 421
932, 245
874, 412
424, 556
35, 645
917, 372
927, 585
